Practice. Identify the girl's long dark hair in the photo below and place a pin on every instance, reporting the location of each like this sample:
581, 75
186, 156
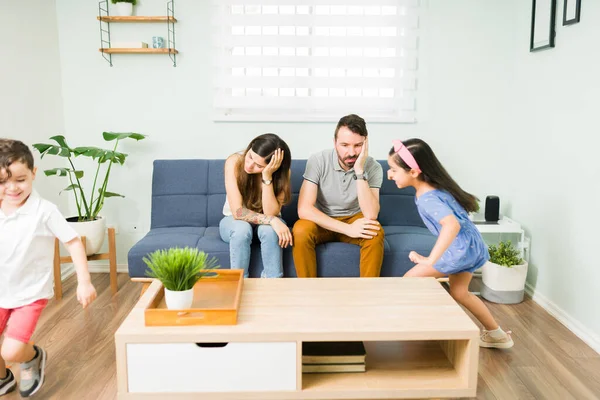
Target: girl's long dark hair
250, 185
434, 173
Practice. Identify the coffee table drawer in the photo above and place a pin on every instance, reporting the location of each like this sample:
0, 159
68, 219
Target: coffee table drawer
187, 367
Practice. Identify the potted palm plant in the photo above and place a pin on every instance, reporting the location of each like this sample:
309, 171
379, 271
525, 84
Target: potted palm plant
124, 7
179, 269
89, 204
504, 275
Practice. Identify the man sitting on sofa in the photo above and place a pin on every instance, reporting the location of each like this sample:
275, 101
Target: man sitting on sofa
339, 201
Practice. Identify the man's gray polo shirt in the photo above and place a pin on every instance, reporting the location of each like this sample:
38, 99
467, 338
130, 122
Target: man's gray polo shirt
336, 196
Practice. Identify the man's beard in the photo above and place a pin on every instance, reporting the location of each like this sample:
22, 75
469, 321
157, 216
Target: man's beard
349, 164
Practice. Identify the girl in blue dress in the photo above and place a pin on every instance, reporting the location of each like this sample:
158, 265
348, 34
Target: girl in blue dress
459, 249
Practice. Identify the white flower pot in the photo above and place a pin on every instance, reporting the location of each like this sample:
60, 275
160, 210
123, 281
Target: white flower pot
123, 9
179, 300
503, 284
93, 231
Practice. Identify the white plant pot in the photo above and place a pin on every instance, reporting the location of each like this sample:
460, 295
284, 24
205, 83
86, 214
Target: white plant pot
179, 300
502, 284
123, 9
94, 233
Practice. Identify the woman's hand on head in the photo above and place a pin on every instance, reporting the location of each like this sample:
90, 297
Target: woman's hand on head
273, 165
283, 232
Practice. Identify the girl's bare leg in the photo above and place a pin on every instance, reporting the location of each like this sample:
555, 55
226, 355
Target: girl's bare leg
423, 270
459, 290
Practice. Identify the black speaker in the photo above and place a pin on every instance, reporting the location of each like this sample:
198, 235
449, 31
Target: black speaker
492, 208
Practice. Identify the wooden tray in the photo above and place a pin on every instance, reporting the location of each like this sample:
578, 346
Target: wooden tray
216, 302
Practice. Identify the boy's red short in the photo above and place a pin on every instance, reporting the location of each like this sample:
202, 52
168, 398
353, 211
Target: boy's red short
21, 320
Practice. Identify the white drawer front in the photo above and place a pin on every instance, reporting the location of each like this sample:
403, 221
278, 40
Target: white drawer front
185, 367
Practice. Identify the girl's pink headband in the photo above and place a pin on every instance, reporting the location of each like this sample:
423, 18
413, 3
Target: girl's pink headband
405, 155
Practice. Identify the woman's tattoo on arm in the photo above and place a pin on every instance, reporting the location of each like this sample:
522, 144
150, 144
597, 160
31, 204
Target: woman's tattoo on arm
253, 217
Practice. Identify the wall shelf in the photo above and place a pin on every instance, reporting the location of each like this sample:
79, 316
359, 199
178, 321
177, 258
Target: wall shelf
105, 20
138, 51
136, 19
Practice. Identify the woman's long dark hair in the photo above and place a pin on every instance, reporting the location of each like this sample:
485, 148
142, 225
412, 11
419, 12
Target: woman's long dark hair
434, 173
250, 185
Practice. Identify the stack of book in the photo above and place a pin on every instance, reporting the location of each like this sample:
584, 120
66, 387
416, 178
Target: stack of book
325, 357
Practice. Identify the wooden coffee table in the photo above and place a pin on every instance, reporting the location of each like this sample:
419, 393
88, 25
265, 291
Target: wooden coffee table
419, 342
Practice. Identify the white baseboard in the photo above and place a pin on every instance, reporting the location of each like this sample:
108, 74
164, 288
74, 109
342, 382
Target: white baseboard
590, 338
68, 269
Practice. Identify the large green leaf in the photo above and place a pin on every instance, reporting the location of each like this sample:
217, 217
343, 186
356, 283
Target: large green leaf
60, 139
108, 136
62, 172
101, 154
52, 149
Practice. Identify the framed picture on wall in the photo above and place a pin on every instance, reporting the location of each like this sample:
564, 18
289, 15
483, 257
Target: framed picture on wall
543, 24
571, 12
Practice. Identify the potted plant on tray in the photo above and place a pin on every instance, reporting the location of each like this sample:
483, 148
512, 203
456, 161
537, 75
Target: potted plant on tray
124, 8
504, 275
179, 269
87, 222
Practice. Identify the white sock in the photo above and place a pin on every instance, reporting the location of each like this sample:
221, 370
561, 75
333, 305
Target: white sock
497, 333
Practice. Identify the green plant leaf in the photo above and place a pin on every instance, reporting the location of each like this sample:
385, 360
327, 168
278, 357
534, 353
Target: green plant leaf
110, 194
179, 268
505, 254
108, 136
62, 172
52, 149
70, 187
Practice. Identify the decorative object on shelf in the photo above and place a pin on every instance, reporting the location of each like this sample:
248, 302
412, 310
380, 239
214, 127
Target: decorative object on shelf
492, 208
571, 12
504, 275
124, 7
87, 222
179, 269
108, 50
543, 24
158, 42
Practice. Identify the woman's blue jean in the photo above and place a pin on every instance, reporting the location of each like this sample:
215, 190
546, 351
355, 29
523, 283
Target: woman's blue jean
239, 235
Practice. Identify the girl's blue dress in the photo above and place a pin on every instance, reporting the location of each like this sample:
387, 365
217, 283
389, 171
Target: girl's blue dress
468, 251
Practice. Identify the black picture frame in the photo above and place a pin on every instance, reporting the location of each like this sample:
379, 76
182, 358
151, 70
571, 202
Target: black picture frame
574, 14
543, 25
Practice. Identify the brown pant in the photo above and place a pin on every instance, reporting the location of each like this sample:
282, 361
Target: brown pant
307, 235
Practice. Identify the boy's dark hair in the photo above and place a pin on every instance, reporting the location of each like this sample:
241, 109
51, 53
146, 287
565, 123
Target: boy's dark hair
353, 122
12, 151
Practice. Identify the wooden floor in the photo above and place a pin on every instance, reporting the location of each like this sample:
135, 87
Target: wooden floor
547, 361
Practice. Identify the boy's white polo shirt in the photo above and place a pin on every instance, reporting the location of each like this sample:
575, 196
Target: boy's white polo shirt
27, 251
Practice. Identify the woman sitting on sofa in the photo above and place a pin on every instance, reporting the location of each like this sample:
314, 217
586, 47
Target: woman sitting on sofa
257, 183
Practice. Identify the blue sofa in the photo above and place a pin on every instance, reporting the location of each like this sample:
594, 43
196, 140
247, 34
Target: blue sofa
187, 203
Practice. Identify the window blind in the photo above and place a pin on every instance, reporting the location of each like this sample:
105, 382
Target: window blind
286, 60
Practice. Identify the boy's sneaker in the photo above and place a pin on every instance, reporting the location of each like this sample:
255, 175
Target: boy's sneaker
32, 373
488, 340
8, 384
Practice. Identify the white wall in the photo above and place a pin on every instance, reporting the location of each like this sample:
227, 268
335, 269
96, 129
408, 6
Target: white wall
502, 120
30, 95
144, 93
552, 174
